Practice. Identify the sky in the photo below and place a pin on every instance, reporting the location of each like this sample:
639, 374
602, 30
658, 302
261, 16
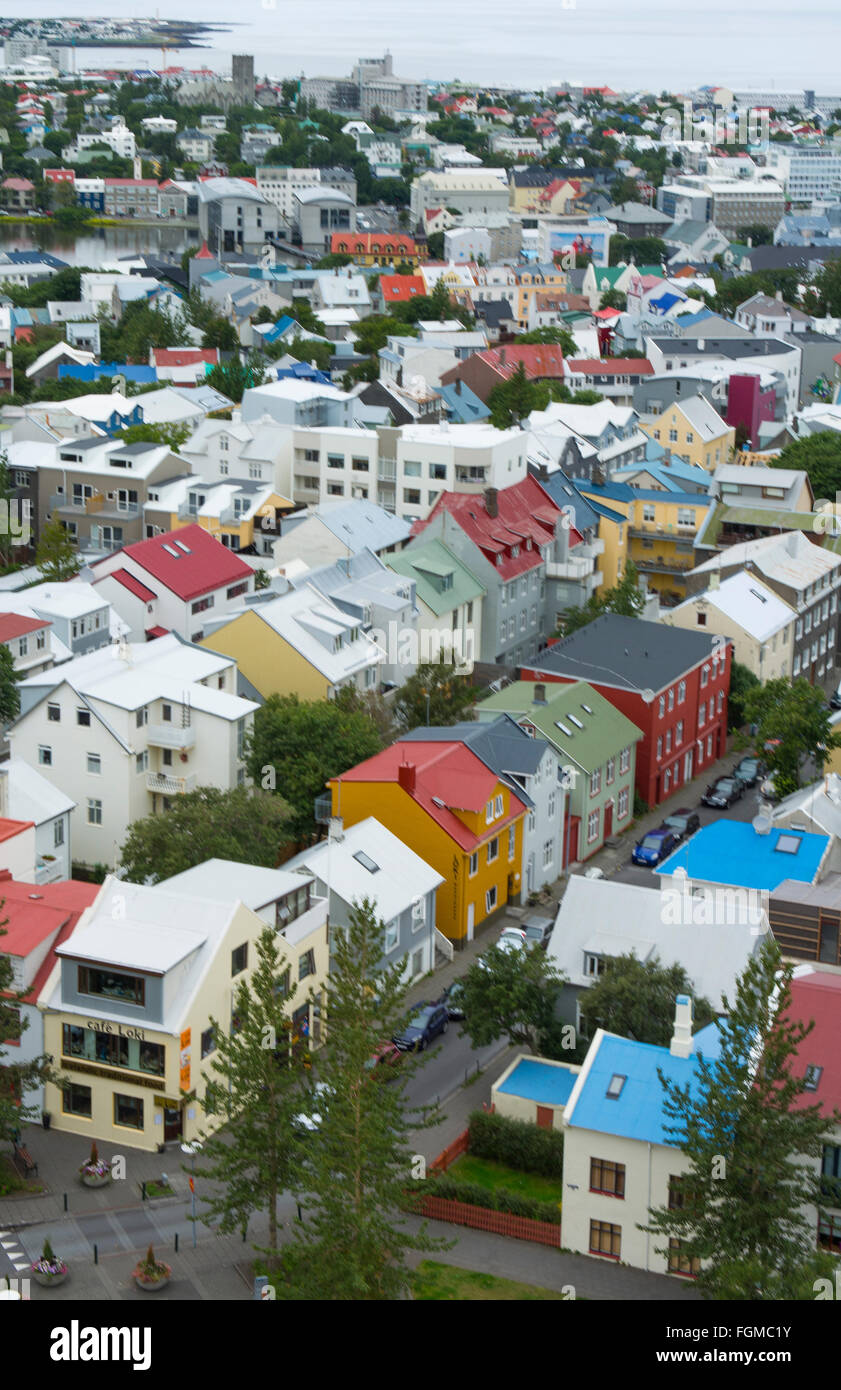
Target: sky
757, 44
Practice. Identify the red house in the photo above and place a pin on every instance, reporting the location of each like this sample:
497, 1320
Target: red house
674, 690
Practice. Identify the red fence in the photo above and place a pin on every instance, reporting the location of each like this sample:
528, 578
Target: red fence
449, 1155
498, 1223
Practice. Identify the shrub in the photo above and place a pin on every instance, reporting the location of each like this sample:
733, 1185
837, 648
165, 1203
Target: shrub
517, 1144
511, 1203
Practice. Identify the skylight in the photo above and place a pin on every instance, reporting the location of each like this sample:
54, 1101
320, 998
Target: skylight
576, 722
185, 548
614, 1089
366, 861
169, 550
586, 709
563, 728
788, 844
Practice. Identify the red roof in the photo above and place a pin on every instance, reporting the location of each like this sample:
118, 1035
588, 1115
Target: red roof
19, 185
397, 289
36, 910
370, 243
134, 586
185, 357
131, 183
817, 996
448, 771
538, 359
189, 562
526, 519
15, 625
607, 314
152, 632
204, 254
626, 366
10, 828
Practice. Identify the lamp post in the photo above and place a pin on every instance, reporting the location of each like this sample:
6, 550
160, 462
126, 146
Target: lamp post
191, 1150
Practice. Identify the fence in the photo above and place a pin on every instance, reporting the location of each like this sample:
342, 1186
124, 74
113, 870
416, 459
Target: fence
449, 1155
497, 1223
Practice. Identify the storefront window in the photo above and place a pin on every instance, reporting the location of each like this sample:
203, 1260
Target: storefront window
76, 1100
128, 1110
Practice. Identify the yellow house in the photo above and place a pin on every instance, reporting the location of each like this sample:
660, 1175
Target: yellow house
238, 516
453, 811
657, 534
553, 199
297, 643
130, 1003
534, 280
694, 430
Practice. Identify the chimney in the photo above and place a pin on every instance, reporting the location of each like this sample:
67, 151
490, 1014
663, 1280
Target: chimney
406, 777
492, 501
715, 580
458, 385
540, 694
681, 1043
502, 356
336, 830
779, 296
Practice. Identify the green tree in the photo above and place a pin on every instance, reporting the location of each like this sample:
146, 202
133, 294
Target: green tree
820, 455
255, 1089
742, 679
753, 1147
353, 1242
513, 400
791, 716
625, 598
613, 299
173, 435
9, 693
823, 294
561, 336
220, 333
239, 824
636, 999
642, 250
435, 695
515, 995
297, 746
755, 235
233, 378
55, 554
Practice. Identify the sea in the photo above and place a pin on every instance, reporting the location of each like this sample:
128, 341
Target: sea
630, 45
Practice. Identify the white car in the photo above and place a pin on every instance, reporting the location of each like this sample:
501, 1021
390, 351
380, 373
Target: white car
512, 939
312, 1120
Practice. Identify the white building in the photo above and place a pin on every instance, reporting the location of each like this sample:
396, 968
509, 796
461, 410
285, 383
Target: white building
808, 172
25, 795
118, 138
419, 462
281, 185
481, 196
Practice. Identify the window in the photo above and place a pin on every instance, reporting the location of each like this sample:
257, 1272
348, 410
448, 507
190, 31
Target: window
293, 905
679, 1262
548, 853
306, 964
681, 692
624, 760
54, 713
709, 745
201, 605
668, 740
662, 706
95, 764
512, 840
128, 1111
606, 1239
493, 849
607, 1177
592, 826
701, 619
667, 781
705, 675
208, 1042
239, 958
83, 716
490, 899
622, 808
58, 833
610, 771
473, 864
141, 717
112, 984
94, 812
702, 714
596, 782
141, 762
45, 755
659, 748
678, 733
237, 589
671, 700
76, 1100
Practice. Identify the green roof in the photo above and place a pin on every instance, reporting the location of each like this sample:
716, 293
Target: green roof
770, 516
606, 731
428, 565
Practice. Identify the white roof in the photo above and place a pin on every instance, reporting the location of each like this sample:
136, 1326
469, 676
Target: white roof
60, 350
703, 417
290, 389
747, 602
31, 796
92, 407
821, 803
303, 617
790, 559
469, 436
171, 404
754, 475
400, 878
226, 880
72, 599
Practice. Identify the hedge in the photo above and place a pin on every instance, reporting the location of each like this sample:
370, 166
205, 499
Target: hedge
497, 1199
517, 1143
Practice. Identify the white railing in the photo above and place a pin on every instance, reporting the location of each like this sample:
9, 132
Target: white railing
444, 944
170, 786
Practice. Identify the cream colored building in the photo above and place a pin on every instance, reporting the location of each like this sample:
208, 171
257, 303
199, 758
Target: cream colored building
534, 1090
759, 623
128, 1006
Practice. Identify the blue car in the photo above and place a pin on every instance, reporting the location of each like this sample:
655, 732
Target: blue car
654, 846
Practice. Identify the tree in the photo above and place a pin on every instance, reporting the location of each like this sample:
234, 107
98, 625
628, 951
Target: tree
792, 721
754, 1150
636, 999
256, 1090
513, 400
55, 554
820, 455
220, 333
209, 823
234, 378
173, 435
352, 1244
561, 336
613, 299
754, 235
515, 995
642, 250
16, 1078
625, 598
435, 695
297, 746
9, 693
742, 680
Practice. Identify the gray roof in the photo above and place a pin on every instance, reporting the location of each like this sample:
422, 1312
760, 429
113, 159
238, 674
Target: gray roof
502, 746
359, 524
723, 347
627, 653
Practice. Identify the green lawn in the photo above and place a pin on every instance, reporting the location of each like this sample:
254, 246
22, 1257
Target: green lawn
434, 1280
493, 1175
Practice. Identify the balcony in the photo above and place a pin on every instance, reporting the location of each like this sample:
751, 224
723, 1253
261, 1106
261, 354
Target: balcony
162, 783
387, 470
572, 568
171, 736
658, 564
589, 550
471, 477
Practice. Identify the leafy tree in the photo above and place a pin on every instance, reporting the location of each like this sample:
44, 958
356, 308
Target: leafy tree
309, 350
334, 259
754, 1150
209, 823
792, 716
302, 313
561, 336
515, 995
16, 1078
625, 598
756, 234
613, 299
435, 246
642, 250
820, 455
434, 696
823, 295
513, 400
233, 378
9, 693
55, 554
173, 435
256, 1089
297, 746
220, 333
636, 999
742, 679
372, 333
353, 1243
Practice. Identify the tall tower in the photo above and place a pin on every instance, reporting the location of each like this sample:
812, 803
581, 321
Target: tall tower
242, 73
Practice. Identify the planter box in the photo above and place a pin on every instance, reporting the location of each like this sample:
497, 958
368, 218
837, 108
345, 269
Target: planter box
49, 1281
152, 1286
95, 1179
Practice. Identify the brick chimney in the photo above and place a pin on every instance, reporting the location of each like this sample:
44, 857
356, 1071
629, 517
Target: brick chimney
492, 501
681, 1043
406, 773
539, 694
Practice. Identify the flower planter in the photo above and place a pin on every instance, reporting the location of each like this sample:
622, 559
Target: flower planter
49, 1281
151, 1285
95, 1179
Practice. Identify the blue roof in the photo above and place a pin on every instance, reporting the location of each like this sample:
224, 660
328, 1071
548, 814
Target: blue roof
544, 1082
303, 371
732, 852
665, 302
637, 1113
464, 405
623, 492
92, 371
564, 493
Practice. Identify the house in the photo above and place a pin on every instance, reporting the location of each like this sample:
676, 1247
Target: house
534, 1090
242, 515
46, 366
637, 220
145, 727
586, 440
448, 599
235, 216
128, 1006
398, 289
367, 861
816, 1002
595, 755
671, 684
816, 808
422, 463
713, 937
17, 194
183, 366
131, 198
480, 195
660, 533
297, 642
167, 583
762, 313
28, 797
28, 639
376, 248
195, 145
758, 622
482, 371
457, 814
740, 855
81, 619
694, 430
329, 532
318, 214
614, 377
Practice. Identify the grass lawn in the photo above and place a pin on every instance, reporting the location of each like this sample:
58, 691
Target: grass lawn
495, 1175
434, 1280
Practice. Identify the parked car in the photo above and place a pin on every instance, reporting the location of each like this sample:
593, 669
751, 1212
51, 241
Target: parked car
385, 1058
538, 930
311, 1119
512, 939
724, 792
749, 770
683, 823
453, 999
654, 847
835, 698
423, 1027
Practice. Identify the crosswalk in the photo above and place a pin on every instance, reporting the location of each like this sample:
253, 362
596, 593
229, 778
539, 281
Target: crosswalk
12, 1249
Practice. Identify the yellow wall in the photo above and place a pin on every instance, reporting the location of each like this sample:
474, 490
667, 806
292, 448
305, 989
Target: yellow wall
615, 536
266, 659
664, 541
400, 813
706, 453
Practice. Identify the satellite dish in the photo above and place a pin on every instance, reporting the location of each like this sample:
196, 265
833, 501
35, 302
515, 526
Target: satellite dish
762, 824
647, 696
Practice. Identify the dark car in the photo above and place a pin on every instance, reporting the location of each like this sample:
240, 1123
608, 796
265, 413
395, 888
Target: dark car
749, 771
724, 792
424, 1025
835, 698
538, 930
683, 823
453, 999
654, 846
